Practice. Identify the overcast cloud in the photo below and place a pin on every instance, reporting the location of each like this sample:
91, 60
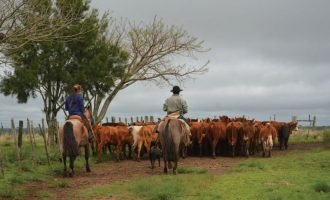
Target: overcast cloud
266, 58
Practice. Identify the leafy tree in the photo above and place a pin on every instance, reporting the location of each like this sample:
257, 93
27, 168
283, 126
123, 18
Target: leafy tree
152, 49
19, 26
50, 68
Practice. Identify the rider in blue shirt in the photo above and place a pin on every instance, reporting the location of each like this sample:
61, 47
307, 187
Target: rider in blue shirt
74, 104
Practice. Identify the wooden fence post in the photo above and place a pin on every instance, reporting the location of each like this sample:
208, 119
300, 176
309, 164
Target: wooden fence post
42, 131
1, 129
152, 118
31, 140
33, 135
20, 134
13, 129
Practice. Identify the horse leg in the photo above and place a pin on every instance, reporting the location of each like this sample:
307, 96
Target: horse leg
71, 173
286, 143
64, 162
175, 166
86, 158
165, 166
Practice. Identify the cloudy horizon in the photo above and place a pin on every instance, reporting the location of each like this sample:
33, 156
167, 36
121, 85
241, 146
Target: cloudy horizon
266, 58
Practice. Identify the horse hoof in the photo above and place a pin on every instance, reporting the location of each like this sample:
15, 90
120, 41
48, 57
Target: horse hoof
88, 170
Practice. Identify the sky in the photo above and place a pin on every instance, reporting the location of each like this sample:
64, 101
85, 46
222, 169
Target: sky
266, 58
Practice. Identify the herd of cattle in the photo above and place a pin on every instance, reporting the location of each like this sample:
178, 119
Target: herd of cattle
223, 136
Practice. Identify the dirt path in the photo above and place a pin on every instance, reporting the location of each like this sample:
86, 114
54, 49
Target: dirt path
108, 172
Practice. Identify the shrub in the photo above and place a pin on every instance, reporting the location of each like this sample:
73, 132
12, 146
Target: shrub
326, 136
322, 187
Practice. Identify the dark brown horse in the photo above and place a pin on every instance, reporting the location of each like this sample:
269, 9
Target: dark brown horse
73, 134
170, 135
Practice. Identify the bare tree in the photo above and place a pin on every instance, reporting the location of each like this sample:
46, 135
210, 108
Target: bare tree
19, 25
152, 49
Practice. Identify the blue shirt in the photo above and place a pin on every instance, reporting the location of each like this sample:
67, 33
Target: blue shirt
74, 103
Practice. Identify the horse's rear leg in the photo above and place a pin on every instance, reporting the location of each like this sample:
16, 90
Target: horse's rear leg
165, 166
71, 173
86, 158
64, 162
175, 166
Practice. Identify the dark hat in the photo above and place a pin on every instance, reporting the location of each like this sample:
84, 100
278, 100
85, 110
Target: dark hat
176, 89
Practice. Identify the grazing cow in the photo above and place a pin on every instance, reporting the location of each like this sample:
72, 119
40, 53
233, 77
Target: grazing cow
284, 133
267, 133
154, 154
232, 131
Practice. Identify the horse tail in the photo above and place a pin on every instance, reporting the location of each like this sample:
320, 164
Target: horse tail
169, 144
70, 146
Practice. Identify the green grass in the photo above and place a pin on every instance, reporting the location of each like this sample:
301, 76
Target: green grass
19, 173
299, 175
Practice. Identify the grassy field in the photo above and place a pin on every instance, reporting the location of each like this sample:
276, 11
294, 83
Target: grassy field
299, 175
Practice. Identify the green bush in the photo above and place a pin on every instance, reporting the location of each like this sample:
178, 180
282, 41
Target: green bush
322, 187
326, 136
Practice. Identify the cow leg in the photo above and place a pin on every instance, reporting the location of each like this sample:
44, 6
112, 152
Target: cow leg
213, 149
100, 151
86, 158
129, 151
64, 163
139, 151
158, 161
200, 149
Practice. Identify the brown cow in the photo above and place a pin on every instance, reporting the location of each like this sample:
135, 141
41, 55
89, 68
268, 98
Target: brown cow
217, 132
142, 136
246, 136
106, 135
232, 131
267, 133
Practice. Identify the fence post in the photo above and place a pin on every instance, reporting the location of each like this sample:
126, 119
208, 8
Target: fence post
20, 134
13, 129
33, 135
31, 141
152, 118
1, 130
146, 118
42, 131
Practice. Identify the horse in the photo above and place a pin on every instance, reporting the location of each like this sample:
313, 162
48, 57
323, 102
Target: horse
73, 134
171, 133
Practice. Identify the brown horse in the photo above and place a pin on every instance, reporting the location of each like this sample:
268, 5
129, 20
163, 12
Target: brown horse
170, 135
73, 134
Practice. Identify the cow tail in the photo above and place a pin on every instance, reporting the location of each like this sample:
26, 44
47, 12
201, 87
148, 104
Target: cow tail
70, 146
169, 144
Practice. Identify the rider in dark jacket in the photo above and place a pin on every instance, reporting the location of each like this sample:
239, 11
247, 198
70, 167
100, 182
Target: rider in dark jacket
74, 104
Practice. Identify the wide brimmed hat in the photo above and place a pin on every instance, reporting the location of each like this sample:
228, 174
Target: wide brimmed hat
176, 89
